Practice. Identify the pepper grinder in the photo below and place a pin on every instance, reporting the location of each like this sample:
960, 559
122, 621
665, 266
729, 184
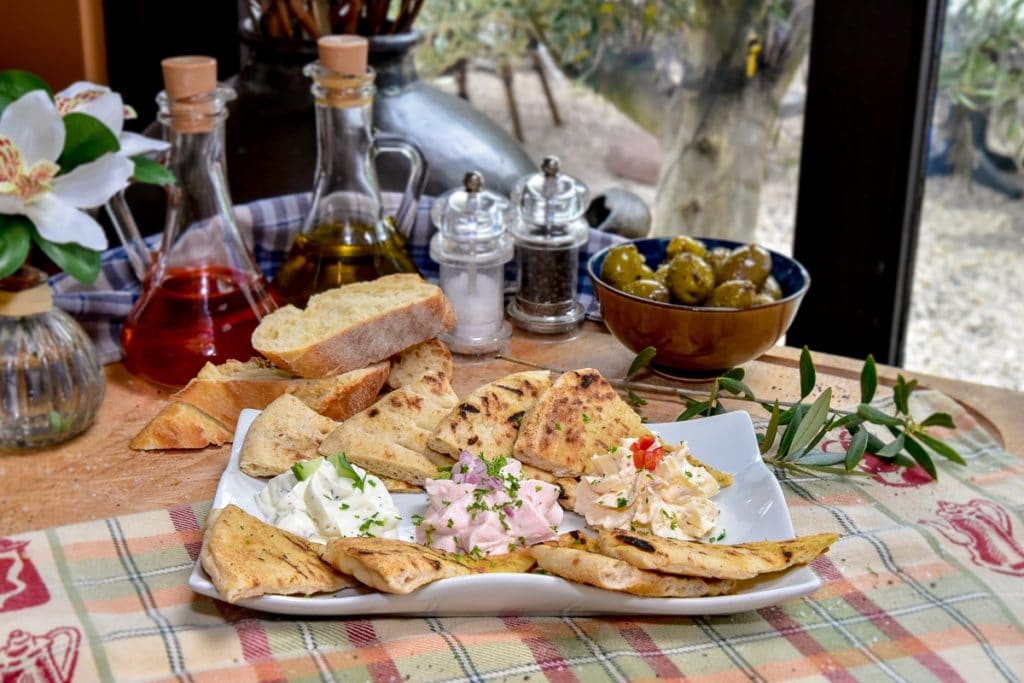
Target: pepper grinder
472, 246
548, 236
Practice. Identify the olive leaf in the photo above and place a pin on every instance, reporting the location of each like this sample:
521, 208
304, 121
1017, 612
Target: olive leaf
855, 451
814, 420
787, 435
693, 409
920, 456
876, 416
807, 373
868, 379
893, 447
940, 447
771, 430
642, 360
939, 420
734, 386
635, 400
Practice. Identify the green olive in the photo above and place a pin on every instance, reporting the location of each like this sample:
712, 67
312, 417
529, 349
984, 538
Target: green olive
648, 289
750, 262
772, 288
681, 243
624, 264
661, 274
690, 278
733, 294
717, 257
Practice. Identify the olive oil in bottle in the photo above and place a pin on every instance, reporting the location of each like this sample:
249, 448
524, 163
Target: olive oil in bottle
335, 254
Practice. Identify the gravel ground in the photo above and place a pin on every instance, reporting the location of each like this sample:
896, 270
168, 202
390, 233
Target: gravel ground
969, 274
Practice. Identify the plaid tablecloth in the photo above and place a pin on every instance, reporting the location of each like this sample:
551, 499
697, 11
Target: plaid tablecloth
271, 224
925, 584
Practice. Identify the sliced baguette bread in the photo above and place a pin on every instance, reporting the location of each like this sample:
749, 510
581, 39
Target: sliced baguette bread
220, 392
224, 390
487, 420
580, 415
354, 325
390, 437
180, 425
431, 357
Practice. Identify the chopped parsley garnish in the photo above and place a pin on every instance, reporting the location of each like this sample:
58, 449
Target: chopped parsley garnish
585, 418
417, 520
689, 474
344, 506
621, 502
719, 537
558, 426
451, 522
428, 533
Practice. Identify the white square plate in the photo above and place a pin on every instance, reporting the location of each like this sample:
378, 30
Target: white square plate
752, 509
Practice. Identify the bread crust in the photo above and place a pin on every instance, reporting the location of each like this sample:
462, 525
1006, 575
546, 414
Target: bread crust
180, 425
377, 336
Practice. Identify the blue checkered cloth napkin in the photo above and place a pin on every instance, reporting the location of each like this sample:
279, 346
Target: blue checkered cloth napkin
102, 306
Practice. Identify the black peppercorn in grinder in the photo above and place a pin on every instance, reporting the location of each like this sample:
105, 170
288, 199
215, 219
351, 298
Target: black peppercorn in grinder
548, 235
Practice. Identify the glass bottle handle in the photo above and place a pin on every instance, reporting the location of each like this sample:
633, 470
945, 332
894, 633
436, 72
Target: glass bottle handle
128, 232
391, 143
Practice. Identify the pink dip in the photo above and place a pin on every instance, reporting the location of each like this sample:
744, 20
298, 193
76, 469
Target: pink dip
488, 512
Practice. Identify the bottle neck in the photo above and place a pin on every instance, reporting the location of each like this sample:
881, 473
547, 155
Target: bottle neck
346, 191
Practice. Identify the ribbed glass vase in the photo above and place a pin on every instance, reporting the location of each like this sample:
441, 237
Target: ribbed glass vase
51, 379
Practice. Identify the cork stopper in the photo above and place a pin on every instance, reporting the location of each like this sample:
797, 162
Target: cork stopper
189, 76
185, 78
343, 54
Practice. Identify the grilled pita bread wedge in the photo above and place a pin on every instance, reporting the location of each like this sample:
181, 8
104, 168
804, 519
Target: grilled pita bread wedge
431, 357
487, 420
723, 478
390, 437
286, 432
605, 572
580, 415
516, 562
246, 557
389, 565
712, 560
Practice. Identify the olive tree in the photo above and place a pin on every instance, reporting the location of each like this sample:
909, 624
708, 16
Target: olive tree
706, 77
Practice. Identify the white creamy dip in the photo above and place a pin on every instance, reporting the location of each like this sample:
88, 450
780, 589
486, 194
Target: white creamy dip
330, 502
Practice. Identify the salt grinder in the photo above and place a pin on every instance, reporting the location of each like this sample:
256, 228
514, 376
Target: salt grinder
548, 236
472, 246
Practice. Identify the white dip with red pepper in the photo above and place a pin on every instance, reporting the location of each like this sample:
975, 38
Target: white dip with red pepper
487, 508
644, 484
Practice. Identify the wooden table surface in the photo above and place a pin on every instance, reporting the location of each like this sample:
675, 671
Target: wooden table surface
96, 475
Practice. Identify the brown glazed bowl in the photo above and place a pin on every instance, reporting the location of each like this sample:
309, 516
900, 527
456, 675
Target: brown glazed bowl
692, 341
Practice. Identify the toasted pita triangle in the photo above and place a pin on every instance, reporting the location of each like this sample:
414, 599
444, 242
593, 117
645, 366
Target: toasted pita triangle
389, 565
246, 557
713, 560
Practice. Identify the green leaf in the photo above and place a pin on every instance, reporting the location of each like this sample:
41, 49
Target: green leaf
941, 447
635, 400
876, 416
15, 241
642, 360
87, 140
787, 435
820, 459
735, 373
816, 416
921, 457
771, 430
893, 447
868, 380
899, 395
855, 452
151, 172
939, 420
694, 409
807, 373
734, 386
717, 409
15, 83
77, 261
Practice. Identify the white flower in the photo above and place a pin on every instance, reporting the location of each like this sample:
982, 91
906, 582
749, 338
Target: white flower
101, 102
31, 140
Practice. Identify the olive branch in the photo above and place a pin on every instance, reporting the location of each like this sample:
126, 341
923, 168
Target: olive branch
795, 429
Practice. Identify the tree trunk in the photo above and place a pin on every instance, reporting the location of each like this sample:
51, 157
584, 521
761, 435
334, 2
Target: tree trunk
710, 180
